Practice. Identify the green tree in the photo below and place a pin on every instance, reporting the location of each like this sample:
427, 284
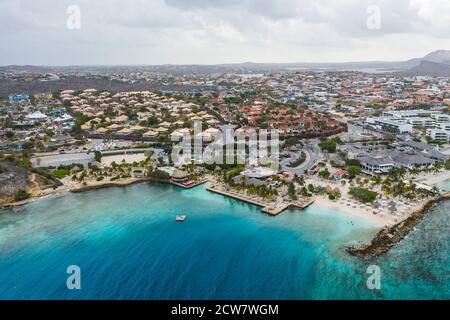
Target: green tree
21, 195
353, 171
325, 174
291, 191
363, 195
98, 156
9, 134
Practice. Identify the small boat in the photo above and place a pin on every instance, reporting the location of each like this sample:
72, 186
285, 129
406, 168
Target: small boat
180, 218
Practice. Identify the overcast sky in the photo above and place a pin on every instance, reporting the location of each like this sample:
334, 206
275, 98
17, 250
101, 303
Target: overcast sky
220, 31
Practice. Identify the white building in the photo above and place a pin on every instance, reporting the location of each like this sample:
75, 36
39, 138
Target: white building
258, 172
390, 125
441, 118
444, 126
55, 161
405, 114
438, 135
422, 122
376, 165
36, 116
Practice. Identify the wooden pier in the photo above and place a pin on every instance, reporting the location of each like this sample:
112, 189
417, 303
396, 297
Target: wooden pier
273, 209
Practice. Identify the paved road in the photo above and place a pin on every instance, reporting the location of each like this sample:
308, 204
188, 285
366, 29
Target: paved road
312, 151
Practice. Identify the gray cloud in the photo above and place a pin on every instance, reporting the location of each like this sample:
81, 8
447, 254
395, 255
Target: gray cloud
207, 31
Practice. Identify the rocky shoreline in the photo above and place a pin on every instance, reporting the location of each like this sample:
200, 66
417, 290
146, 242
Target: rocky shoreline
383, 241
109, 185
387, 237
16, 204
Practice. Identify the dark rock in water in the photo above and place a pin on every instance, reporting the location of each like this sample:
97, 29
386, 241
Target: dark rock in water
387, 237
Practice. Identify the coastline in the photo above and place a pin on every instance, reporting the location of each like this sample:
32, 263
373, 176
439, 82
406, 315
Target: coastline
139, 221
76, 188
271, 208
392, 230
70, 188
434, 179
387, 237
110, 185
379, 221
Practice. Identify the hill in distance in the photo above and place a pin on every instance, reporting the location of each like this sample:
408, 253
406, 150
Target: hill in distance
436, 63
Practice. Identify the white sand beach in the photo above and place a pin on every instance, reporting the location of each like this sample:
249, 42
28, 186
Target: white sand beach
356, 209
435, 178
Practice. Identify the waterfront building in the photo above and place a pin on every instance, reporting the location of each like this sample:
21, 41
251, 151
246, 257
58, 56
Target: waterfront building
138, 174
179, 176
383, 162
248, 181
377, 165
258, 172
411, 160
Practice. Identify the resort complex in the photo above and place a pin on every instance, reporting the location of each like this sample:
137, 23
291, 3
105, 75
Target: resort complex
225, 159
345, 139
187, 182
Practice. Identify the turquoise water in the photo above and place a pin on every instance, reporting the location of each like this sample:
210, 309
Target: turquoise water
444, 185
128, 246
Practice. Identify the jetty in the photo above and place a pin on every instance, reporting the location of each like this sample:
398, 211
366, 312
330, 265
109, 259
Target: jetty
188, 184
273, 208
274, 211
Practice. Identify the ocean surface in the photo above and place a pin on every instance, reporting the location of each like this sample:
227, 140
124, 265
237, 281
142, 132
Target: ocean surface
444, 185
128, 246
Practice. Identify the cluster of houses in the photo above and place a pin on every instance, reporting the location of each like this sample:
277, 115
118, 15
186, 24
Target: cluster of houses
139, 115
287, 120
381, 159
388, 103
352, 93
46, 120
